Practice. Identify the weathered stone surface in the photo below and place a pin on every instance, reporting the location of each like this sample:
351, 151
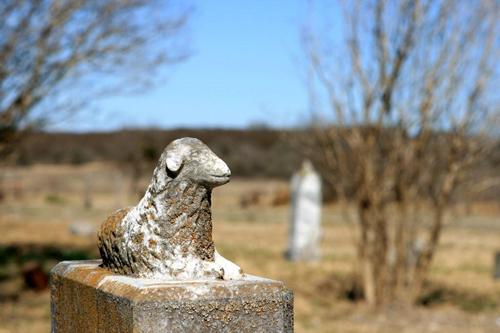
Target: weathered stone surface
87, 298
305, 228
168, 234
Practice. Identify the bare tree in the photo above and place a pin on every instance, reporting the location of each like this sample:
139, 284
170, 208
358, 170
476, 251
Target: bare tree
409, 90
56, 55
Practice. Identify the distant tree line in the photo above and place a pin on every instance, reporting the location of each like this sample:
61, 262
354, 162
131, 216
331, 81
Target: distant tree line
249, 153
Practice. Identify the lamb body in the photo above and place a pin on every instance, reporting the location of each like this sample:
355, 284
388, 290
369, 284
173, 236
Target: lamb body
168, 234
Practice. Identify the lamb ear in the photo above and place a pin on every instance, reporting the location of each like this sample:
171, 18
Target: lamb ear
174, 161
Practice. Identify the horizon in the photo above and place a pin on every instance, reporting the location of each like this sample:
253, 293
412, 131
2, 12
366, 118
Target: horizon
250, 127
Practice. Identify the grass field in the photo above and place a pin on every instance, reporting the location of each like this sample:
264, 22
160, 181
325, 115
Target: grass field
41, 203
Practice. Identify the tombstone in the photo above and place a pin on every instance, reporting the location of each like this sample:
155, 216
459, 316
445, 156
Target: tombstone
119, 189
305, 229
496, 274
87, 192
160, 270
82, 228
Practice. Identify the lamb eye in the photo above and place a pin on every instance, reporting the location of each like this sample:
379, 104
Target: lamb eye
171, 174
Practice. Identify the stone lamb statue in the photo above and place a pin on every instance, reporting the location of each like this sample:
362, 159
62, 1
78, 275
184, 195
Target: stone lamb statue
168, 234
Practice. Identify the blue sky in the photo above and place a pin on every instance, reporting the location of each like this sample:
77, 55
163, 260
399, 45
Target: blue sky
244, 69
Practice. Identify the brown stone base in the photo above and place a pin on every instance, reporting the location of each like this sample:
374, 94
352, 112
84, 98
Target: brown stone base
87, 298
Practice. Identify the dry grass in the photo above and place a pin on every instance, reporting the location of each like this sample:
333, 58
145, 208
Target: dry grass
42, 201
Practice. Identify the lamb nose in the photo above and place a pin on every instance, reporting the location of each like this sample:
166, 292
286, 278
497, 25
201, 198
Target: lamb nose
224, 170
224, 173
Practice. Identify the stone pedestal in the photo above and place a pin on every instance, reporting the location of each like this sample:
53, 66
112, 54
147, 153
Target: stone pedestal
87, 298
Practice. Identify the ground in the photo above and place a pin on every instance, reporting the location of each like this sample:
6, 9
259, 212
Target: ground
42, 204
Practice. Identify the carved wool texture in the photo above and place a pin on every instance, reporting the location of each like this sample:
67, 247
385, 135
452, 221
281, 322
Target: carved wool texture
168, 234
184, 222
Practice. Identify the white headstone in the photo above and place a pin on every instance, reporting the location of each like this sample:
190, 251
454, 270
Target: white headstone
496, 273
82, 228
305, 228
87, 192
